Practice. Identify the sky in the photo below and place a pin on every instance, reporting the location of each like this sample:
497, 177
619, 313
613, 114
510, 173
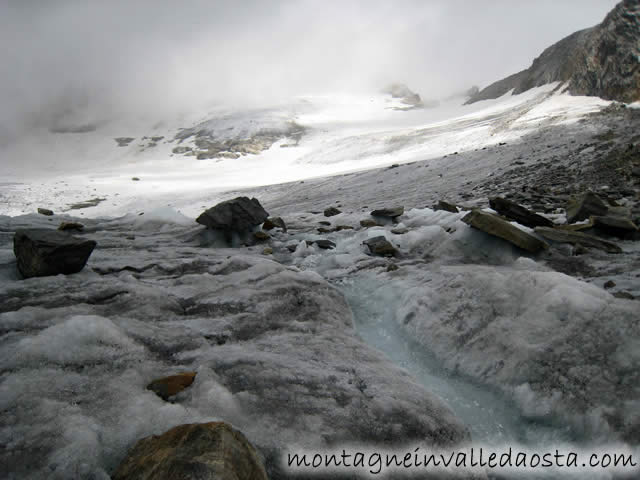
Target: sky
108, 59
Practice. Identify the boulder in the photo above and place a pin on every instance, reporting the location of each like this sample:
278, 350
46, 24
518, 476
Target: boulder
446, 206
584, 206
169, 386
274, 222
236, 215
380, 246
496, 226
41, 252
211, 450
518, 213
331, 211
577, 238
388, 212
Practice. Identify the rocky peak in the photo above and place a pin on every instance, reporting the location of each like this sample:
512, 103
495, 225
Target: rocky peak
601, 61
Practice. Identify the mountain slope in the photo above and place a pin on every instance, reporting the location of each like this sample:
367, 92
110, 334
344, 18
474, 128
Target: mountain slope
601, 61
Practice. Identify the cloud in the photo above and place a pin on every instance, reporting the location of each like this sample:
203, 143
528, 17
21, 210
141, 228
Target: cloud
105, 59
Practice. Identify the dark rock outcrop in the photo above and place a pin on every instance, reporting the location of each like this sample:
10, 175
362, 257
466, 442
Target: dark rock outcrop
600, 61
41, 252
240, 214
496, 226
201, 450
331, 212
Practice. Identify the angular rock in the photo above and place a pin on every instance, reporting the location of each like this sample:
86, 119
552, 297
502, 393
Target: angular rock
274, 222
236, 215
494, 225
331, 211
169, 386
339, 228
388, 212
380, 246
584, 206
400, 231
614, 225
577, 238
45, 211
518, 213
212, 450
41, 252
446, 206
65, 226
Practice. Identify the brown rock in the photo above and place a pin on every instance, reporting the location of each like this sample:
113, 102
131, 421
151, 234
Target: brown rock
273, 222
380, 246
368, 223
212, 450
261, 236
332, 211
496, 226
169, 386
388, 212
45, 211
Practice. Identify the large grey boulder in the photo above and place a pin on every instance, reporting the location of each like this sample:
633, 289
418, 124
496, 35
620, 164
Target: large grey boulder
496, 226
211, 450
41, 252
240, 214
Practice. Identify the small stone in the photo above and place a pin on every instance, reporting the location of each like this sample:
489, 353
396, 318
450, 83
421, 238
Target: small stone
331, 211
324, 222
609, 284
399, 231
45, 211
274, 222
267, 251
446, 206
368, 223
388, 212
292, 247
64, 226
339, 228
624, 294
392, 267
169, 386
261, 236
324, 244
135, 179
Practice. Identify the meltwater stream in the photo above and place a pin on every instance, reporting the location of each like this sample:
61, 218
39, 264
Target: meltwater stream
491, 418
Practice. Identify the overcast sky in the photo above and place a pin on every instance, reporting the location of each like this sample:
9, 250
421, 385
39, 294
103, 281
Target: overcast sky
123, 57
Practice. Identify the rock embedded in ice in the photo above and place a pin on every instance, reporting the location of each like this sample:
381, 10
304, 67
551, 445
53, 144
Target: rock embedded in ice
583, 207
42, 252
172, 385
212, 450
380, 246
45, 211
518, 213
577, 238
388, 212
496, 226
240, 214
323, 244
331, 212
261, 236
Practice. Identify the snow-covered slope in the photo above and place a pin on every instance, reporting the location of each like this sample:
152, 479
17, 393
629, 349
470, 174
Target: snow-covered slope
340, 134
